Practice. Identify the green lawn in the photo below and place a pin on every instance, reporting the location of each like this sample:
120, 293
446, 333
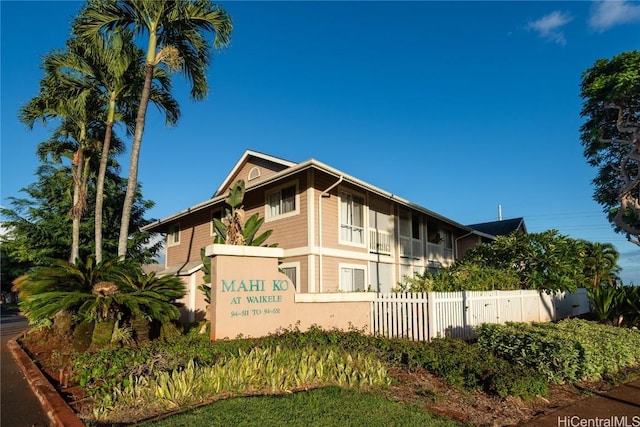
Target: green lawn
330, 406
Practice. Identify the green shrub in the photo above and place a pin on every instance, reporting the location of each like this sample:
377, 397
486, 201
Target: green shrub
463, 276
462, 364
570, 350
517, 381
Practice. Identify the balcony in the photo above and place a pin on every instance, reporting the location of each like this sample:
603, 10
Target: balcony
437, 252
410, 248
379, 241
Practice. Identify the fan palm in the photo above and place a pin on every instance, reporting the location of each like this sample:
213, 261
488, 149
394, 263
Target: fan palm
114, 66
175, 33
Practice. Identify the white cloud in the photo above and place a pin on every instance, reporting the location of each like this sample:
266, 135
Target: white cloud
550, 26
609, 13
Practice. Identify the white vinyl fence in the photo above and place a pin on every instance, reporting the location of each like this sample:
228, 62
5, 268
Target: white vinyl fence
423, 316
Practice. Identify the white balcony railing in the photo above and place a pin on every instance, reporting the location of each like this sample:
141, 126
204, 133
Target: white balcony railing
379, 241
410, 248
439, 253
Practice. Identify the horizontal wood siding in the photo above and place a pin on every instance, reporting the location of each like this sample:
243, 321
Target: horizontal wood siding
288, 232
329, 210
195, 233
331, 272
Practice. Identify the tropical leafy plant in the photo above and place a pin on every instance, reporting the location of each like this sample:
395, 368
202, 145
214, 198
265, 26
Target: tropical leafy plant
233, 229
257, 371
545, 261
616, 305
462, 276
104, 293
605, 302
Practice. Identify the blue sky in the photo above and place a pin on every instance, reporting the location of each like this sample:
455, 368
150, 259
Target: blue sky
457, 106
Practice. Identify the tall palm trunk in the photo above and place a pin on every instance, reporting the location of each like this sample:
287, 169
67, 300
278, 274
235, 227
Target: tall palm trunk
77, 208
102, 172
132, 181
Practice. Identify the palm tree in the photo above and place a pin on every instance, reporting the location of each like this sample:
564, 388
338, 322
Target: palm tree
157, 296
175, 31
76, 103
115, 67
601, 263
104, 293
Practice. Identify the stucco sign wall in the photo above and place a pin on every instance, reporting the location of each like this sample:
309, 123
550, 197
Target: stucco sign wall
250, 297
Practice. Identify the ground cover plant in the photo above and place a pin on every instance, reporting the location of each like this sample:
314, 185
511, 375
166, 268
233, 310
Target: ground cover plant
188, 370
179, 372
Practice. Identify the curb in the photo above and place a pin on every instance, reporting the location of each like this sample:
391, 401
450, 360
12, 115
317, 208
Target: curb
58, 411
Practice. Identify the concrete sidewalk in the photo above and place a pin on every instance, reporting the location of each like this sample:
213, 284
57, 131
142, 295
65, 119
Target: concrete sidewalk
28, 399
19, 406
619, 407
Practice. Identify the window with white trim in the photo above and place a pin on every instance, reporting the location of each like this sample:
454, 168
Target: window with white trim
292, 271
352, 278
173, 236
282, 202
351, 218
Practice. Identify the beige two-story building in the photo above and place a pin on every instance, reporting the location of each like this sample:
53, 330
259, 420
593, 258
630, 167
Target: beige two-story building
339, 234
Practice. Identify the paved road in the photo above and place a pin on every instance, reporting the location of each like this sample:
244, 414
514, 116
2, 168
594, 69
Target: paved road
19, 407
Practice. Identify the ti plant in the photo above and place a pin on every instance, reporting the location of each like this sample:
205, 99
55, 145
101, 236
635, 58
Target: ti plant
233, 229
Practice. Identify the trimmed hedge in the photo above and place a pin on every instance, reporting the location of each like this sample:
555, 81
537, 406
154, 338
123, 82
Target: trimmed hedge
570, 350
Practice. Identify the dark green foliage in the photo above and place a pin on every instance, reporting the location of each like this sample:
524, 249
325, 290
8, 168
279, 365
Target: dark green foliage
40, 227
631, 306
82, 336
464, 365
517, 381
604, 302
470, 367
570, 350
619, 306
542, 261
108, 291
462, 276
610, 91
10, 268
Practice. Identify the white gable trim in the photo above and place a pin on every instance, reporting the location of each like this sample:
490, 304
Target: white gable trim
243, 160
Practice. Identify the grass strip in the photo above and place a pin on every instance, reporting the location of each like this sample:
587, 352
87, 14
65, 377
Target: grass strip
328, 406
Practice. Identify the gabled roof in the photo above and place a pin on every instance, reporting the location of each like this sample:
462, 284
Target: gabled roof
290, 170
248, 154
500, 228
